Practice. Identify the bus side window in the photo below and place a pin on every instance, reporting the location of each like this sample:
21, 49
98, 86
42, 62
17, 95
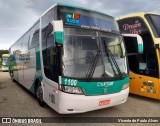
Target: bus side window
34, 36
52, 71
49, 55
26, 39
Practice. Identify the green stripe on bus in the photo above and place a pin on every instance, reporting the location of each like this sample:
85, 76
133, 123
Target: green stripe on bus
38, 60
97, 88
38, 71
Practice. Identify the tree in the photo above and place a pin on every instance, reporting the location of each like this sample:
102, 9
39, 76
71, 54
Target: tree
3, 52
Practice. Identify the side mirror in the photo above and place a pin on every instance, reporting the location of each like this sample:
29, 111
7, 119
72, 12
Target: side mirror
134, 43
58, 31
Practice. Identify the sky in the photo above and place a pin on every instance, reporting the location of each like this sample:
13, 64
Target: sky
17, 16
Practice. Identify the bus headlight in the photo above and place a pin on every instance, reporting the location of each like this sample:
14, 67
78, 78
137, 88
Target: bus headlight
125, 86
70, 89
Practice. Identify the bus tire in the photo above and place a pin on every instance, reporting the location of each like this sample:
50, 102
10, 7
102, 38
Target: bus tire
39, 94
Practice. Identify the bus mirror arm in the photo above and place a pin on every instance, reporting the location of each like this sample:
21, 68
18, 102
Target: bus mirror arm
58, 31
134, 43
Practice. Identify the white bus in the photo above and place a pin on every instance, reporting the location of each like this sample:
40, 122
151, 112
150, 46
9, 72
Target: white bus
72, 59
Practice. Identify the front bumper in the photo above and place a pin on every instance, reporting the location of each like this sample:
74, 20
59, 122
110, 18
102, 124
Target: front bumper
72, 103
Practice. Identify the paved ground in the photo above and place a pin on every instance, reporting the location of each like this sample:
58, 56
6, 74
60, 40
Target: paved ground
15, 101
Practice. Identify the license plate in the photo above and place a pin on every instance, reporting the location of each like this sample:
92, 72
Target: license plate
104, 102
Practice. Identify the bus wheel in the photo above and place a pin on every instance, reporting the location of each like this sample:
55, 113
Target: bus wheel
39, 95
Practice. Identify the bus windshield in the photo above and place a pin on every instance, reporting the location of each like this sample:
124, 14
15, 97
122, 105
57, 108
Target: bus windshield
4, 61
154, 21
113, 54
85, 54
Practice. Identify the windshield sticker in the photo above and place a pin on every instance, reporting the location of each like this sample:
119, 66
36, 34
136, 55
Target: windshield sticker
72, 19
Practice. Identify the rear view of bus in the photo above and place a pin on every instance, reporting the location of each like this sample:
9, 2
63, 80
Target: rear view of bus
4, 62
80, 63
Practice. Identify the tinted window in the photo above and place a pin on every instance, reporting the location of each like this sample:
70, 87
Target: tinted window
134, 25
50, 57
26, 39
34, 36
154, 21
133, 63
131, 44
148, 63
49, 17
20, 45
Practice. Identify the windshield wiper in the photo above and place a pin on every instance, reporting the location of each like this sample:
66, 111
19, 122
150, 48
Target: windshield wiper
113, 59
92, 67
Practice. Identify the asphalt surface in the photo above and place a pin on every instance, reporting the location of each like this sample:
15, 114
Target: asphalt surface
16, 101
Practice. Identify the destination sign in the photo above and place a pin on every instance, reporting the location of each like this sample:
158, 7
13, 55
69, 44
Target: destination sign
78, 17
74, 19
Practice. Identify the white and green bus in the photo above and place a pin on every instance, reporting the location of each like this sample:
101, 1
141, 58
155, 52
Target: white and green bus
4, 62
72, 59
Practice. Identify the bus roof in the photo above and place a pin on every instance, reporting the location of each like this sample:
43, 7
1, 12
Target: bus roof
58, 4
78, 7
141, 14
74, 6
5, 55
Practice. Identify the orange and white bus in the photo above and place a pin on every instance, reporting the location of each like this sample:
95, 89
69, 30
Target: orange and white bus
144, 68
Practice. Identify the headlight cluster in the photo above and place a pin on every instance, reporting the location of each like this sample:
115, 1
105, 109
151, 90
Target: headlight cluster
125, 86
71, 89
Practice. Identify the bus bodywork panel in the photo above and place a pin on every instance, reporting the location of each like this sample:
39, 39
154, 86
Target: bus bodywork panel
144, 85
70, 103
26, 68
96, 88
66, 103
